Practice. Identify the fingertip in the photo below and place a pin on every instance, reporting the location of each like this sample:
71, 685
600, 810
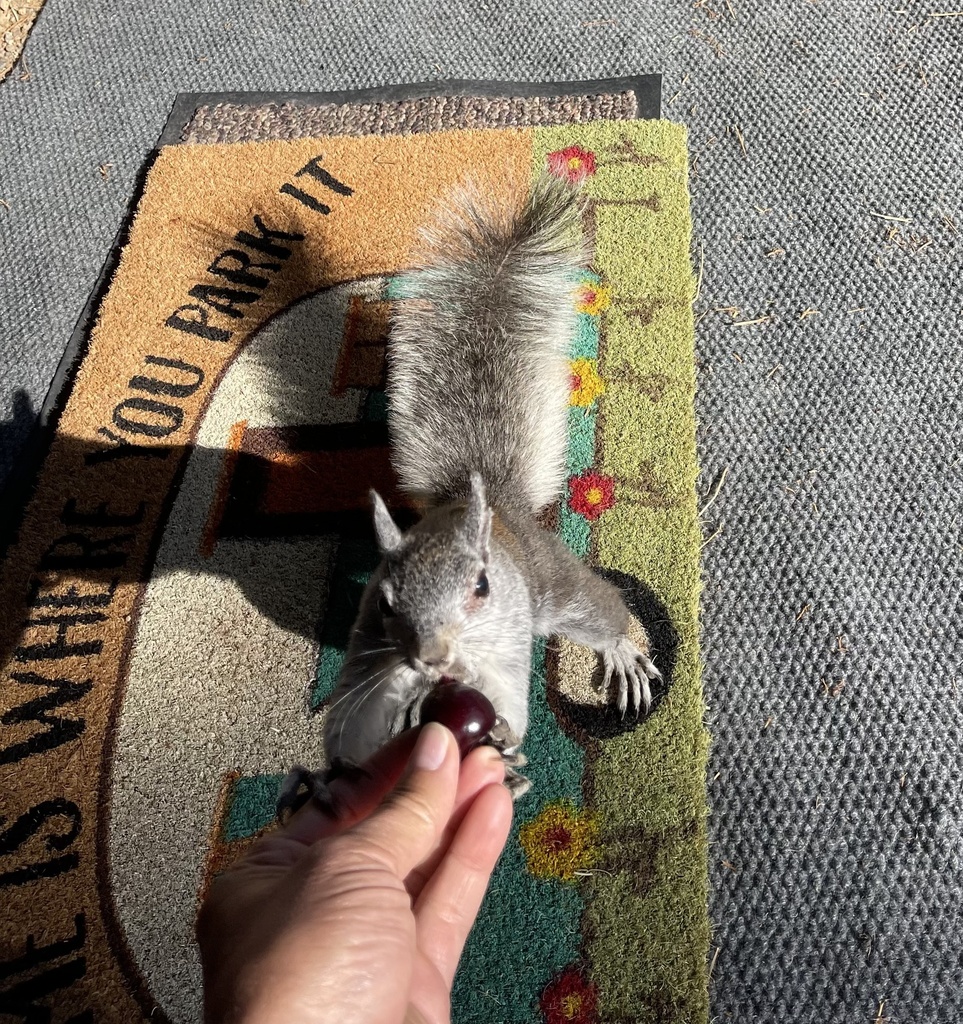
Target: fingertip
491, 754
482, 767
505, 804
433, 747
495, 807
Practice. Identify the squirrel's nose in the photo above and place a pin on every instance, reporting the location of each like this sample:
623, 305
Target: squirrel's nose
434, 653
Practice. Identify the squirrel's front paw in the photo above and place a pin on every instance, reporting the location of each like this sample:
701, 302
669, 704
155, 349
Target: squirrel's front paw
301, 785
632, 670
504, 740
406, 716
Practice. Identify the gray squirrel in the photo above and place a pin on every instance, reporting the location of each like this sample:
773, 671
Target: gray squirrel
478, 393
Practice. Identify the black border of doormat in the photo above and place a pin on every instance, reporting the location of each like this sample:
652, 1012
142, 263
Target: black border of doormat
23, 475
647, 90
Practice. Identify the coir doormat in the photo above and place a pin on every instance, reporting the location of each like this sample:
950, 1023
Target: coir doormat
178, 597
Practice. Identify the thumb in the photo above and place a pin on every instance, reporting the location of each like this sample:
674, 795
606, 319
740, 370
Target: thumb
408, 826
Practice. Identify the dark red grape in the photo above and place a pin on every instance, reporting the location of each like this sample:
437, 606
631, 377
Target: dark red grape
467, 712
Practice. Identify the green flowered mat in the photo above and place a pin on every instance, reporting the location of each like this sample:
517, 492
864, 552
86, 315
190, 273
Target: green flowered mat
191, 561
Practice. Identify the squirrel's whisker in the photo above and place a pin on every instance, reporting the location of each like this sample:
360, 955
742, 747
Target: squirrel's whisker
353, 689
369, 692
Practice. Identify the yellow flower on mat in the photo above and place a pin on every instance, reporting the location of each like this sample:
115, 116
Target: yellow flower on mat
562, 840
587, 385
593, 298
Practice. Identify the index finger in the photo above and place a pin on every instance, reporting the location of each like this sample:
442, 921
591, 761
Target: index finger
354, 797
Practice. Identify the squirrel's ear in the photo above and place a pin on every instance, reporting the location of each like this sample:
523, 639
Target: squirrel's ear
478, 518
386, 529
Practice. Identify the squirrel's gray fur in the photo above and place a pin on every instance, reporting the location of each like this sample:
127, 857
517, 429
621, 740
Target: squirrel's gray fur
478, 389
478, 376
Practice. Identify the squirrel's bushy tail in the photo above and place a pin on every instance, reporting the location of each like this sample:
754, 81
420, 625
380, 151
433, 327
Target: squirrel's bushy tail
474, 245
478, 374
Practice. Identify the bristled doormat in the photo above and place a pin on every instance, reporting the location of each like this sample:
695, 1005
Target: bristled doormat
179, 594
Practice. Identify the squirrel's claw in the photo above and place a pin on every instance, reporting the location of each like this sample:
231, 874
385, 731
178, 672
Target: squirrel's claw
504, 740
633, 670
516, 784
407, 716
501, 737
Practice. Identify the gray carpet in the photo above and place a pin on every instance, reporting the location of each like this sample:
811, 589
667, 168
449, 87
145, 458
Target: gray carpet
837, 772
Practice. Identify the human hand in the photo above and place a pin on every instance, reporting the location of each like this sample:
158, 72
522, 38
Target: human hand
359, 914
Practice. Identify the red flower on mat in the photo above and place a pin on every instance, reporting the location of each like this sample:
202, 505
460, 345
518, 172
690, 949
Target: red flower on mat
573, 163
591, 494
569, 998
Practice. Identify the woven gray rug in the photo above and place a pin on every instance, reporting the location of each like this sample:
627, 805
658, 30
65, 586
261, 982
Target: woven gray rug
827, 194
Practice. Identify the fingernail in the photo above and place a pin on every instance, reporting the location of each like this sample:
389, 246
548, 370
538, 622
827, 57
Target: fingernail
431, 748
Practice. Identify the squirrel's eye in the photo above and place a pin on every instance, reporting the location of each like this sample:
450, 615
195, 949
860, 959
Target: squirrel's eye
481, 586
384, 606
